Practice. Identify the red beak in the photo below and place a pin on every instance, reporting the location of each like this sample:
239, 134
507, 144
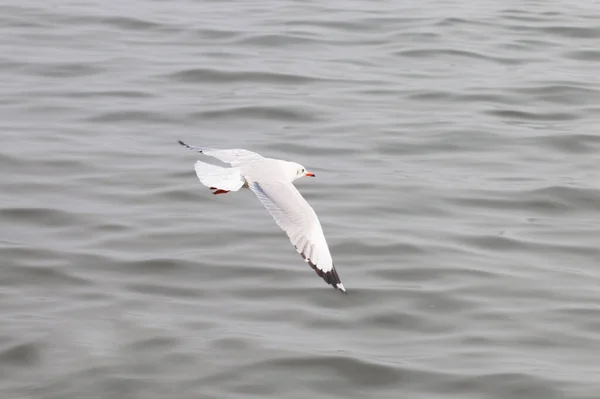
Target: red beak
309, 174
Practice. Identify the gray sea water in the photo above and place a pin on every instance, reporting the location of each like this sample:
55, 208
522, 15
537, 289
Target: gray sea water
457, 152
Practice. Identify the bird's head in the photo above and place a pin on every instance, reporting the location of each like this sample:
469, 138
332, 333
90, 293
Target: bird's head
297, 171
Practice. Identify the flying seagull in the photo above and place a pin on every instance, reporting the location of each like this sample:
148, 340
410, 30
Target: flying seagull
271, 181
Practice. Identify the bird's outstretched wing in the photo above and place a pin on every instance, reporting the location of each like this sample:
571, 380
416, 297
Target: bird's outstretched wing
233, 157
298, 219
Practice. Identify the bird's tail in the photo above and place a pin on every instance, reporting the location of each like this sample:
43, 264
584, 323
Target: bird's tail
213, 176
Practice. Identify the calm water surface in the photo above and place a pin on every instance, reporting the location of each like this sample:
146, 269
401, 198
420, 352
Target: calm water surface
457, 153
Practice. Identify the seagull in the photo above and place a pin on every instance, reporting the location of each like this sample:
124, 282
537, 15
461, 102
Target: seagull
271, 181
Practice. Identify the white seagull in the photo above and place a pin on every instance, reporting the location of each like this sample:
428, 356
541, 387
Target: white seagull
271, 181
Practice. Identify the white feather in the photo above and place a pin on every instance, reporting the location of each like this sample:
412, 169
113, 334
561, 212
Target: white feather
297, 218
215, 176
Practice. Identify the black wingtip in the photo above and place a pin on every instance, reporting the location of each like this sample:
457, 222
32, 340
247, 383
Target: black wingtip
331, 277
189, 146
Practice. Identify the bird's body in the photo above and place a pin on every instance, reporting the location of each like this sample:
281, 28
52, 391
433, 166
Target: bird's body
271, 180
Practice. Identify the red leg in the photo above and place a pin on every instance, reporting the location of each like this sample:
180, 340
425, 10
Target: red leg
219, 191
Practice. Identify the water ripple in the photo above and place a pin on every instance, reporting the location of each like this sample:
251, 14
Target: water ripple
207, 75
519, 115
436, 52
257, 112
21, 354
